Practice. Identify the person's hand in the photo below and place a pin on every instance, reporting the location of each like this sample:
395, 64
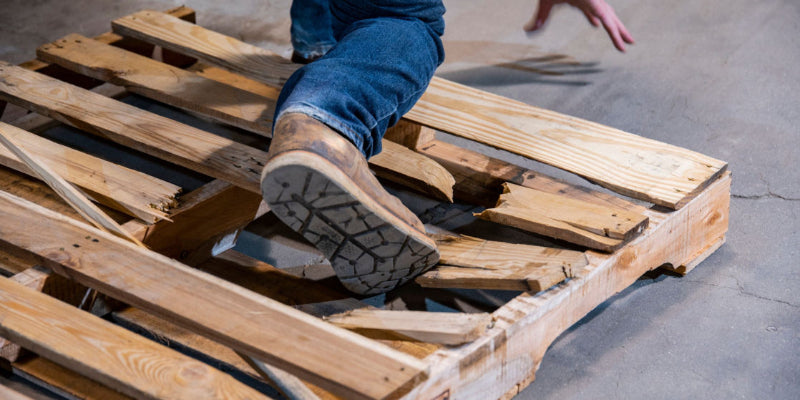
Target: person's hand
596, 11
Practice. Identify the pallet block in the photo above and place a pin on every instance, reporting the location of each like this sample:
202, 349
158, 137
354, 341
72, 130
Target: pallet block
383, 353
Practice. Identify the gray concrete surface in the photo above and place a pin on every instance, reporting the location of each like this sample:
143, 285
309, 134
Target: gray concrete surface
717, 76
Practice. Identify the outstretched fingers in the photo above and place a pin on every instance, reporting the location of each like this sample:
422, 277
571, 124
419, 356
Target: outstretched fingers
542, 13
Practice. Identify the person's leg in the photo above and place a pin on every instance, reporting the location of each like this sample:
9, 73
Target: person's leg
383, 62
312, 34
331, 114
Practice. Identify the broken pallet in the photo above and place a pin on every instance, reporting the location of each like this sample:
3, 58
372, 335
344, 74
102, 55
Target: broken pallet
231, 304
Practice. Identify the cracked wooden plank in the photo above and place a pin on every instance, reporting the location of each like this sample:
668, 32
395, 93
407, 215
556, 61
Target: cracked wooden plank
472, 263
629, 164
123, 189
112, 355
430, 327
339, 361
133, 127
587, 224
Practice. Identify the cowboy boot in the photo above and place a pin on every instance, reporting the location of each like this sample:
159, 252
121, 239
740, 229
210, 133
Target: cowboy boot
320, 185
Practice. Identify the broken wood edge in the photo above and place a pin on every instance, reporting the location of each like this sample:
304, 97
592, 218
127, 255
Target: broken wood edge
457, 329
504, 361
109, 366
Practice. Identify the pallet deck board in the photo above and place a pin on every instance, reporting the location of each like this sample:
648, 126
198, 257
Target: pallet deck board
496, 364
118, 187
562, 217
362, 369
133, 127
473, 263
229, 104
90, 212
430, 327
629, 164
110, 354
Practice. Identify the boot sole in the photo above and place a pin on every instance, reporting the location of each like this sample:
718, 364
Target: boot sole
371, 249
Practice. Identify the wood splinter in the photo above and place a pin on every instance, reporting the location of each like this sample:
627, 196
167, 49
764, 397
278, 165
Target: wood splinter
431, 327
603, 228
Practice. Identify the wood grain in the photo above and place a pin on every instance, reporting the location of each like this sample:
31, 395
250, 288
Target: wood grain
133, 127
123, 189
110, 354
629, 164
505, 360
587, 224
468, 262
213, 210
216, 354
64, 381
431, 327
339, 361
626, 163
230, 104
398, 164
204, 44
286, 383
480, 178
69, 193
162, 82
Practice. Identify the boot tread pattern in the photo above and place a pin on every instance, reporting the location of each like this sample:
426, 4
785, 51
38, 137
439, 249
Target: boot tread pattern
369, 255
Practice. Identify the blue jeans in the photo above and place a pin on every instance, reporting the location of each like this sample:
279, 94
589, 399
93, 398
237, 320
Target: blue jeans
384, 56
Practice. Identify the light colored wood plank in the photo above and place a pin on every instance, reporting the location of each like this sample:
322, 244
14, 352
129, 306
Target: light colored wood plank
339, 361
123, 189
291, 387
480, 178
398, 164
162, 82
236, 80
63, 381
526, 326
215, 209
304, 294
629, 164
432, 327
36, 123
69, 193
598, 227
395, 163
110, 354
133, 127
468, 262
216, 354
30, 278
229, 104
204, 44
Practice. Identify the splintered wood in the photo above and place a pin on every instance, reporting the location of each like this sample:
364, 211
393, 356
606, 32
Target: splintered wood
629, 164
161, 285
67, 335
597, 227
123, 189
133, 127
162, 82
248, 106
468, 262
430, 327
238, 313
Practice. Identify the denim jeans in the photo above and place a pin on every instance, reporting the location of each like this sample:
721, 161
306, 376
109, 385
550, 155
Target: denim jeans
384, 56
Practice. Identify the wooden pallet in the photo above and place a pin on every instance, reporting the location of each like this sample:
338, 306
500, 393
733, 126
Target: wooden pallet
240, 317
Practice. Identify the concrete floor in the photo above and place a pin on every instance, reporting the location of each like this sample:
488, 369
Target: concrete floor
721, 77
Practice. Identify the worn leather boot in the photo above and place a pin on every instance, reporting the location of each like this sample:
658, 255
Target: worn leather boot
320, 185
